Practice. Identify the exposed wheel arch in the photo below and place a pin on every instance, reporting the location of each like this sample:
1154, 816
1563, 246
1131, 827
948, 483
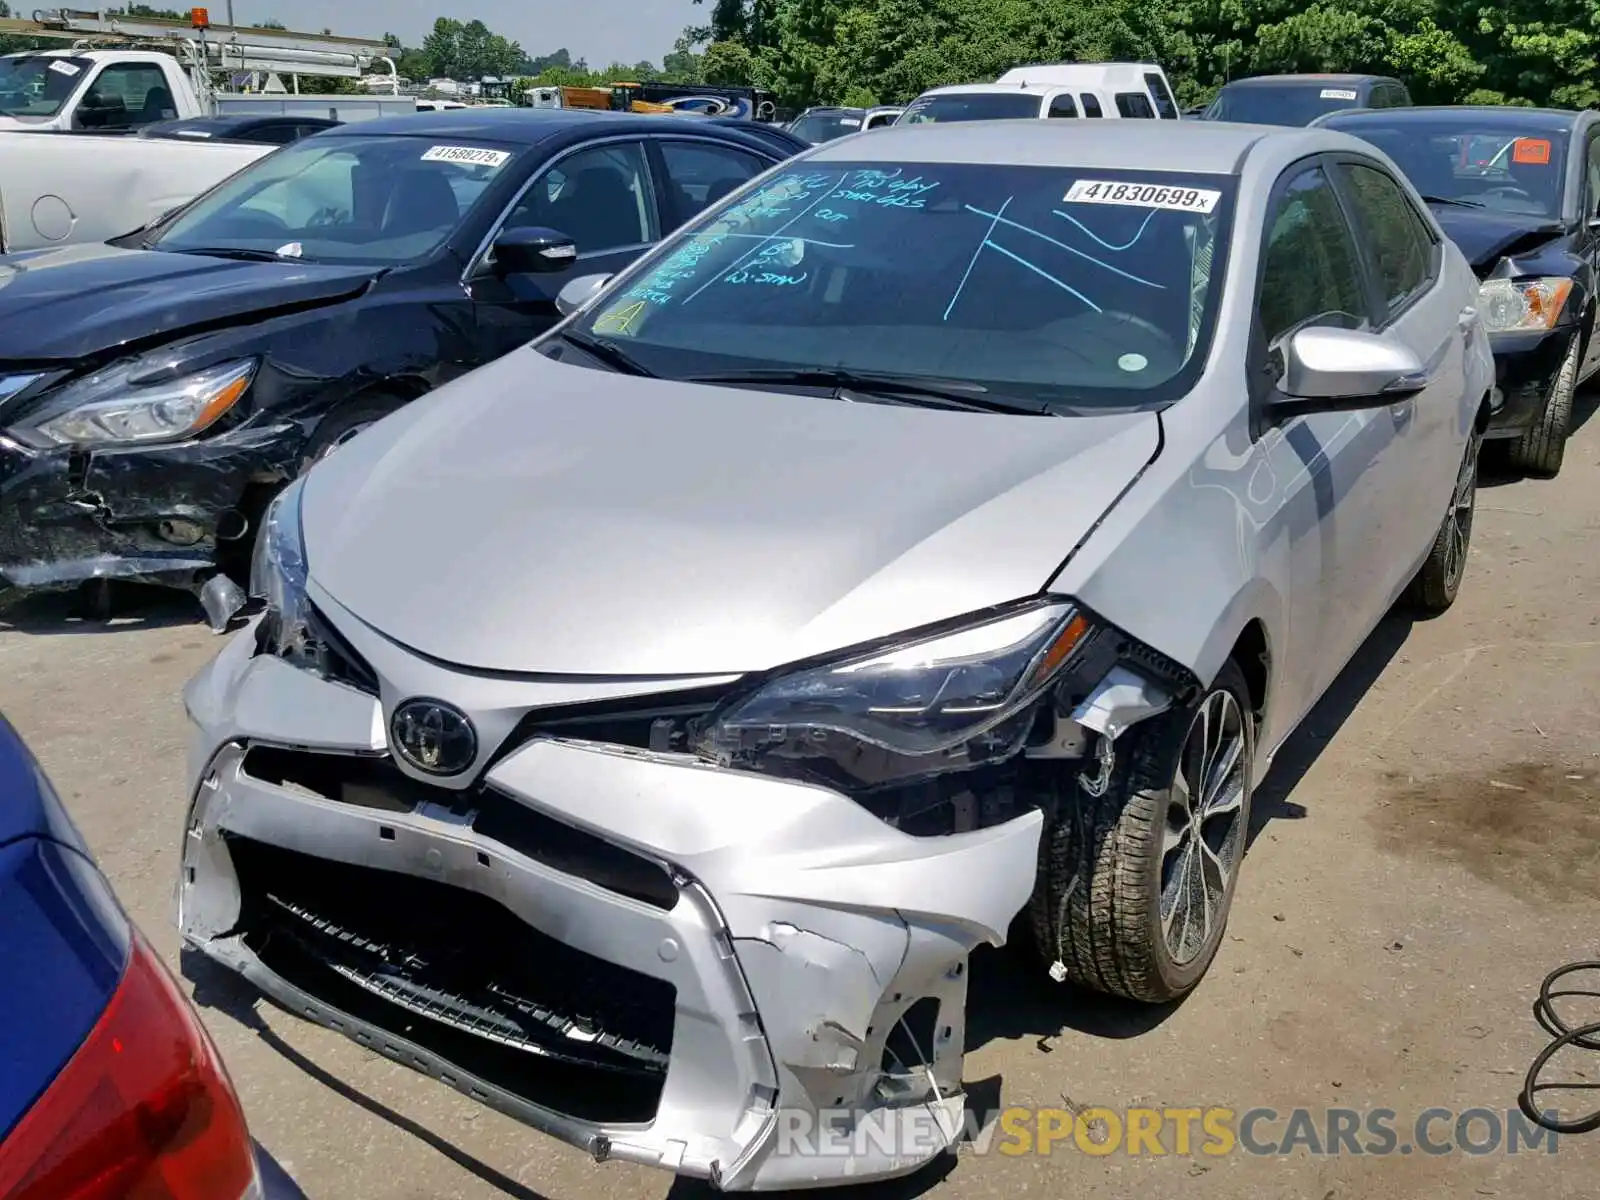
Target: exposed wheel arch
1252, 654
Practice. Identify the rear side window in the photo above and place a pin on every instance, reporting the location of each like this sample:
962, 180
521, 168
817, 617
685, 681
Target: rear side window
1091, 104
1400, 245
1165, 104
1135, 104
701, 174
1062, 106
1312, 273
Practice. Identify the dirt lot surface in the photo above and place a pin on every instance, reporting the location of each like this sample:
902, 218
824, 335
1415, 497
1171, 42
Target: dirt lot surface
1429, 847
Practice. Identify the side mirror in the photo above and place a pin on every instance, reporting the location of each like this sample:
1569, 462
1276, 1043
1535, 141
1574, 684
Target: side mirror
1340, 370
580, 293
533, 251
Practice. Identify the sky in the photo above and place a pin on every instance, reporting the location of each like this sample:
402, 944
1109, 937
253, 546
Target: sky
601, 31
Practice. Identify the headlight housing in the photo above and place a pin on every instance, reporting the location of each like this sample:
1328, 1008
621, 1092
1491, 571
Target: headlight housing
278, 575
925, 707
122, 406
1522, 305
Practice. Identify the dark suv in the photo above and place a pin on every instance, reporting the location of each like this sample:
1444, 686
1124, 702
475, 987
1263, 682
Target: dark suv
1301, 99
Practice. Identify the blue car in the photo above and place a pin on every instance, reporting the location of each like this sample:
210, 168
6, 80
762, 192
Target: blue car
109, 1085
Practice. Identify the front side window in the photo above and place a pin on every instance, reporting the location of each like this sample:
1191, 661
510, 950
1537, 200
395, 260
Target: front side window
1166, 106
1091, 104
1592, 178
971, 106
125, 96
383, 201
1135, 104
1062, 106
600, 198
1312, 272
1083, 290
37, 86
1400, 244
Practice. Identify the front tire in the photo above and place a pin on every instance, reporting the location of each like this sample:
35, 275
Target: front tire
1135, 886
345, 423
1539, 451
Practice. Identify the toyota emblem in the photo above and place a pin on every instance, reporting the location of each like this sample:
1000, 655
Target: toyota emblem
434, 737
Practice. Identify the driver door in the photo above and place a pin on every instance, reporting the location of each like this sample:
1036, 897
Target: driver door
1337, 480
602, 196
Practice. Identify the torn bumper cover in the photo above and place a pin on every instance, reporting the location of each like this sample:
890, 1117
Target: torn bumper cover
150, 513
659, 960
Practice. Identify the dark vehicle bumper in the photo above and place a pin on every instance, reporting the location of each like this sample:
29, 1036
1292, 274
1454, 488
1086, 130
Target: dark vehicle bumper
1525, 367
154, 514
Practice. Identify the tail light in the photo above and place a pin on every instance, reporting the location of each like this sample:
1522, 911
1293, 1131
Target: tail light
143, 1109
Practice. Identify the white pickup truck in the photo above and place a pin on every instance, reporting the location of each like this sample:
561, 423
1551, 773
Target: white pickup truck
69, 173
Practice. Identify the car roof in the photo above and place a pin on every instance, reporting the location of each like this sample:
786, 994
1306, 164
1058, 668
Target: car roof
1553, 120
527, 126
1200, 147
1004, 89
1308, 80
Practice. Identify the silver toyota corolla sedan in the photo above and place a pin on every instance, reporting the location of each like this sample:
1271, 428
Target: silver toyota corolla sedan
938, 536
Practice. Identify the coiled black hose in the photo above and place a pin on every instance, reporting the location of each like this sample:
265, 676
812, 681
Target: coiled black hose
1585, 1037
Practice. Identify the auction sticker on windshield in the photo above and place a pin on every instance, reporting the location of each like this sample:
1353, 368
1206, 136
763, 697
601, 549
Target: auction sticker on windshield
1531, 151
1339, 94
64, 68
469, 156
1142, 195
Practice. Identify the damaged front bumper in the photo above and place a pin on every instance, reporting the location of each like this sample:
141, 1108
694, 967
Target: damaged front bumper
1525, 367
656, 959
157, 514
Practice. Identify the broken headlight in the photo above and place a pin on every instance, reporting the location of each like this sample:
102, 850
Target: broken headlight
122, 406
949, 702
278, 575
1523, 305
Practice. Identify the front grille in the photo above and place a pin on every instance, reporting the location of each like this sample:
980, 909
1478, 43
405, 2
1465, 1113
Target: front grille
460, 975
370, 781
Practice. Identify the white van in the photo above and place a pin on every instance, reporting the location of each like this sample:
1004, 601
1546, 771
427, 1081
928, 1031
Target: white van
1128, 90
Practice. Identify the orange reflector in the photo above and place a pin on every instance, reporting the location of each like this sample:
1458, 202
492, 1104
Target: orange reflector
220, 403
1066, 642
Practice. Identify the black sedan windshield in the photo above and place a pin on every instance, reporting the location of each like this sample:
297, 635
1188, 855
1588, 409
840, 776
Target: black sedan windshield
827, 124
1482, 160
1047, 284
380, 201
1292, 104
38, 86
971, 106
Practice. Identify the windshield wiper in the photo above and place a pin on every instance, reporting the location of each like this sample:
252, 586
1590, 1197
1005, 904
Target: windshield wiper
607, 352
1454, 203
239, 252
907, 389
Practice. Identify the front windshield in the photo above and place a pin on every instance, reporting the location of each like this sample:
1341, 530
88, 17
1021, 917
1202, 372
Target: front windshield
970, 106
1485, 161
1295, 104
380, 201
37, 86
819, 127
1055, 285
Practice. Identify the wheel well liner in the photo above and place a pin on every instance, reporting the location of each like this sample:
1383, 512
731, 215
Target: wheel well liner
1252, 653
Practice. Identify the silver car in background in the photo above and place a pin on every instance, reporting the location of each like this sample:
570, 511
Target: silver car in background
643, 730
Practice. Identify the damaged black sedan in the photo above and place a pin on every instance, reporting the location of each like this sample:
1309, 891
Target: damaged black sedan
1518, 189
156, 393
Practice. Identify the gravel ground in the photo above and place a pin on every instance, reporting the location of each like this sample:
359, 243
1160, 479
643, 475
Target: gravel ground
1428, 847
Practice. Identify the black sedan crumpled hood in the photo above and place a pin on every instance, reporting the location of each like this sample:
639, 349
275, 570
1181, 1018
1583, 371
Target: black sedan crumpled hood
1486, 237
78, 301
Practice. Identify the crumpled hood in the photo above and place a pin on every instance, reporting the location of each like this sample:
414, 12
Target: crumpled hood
82, 300
1486, 237
546, 518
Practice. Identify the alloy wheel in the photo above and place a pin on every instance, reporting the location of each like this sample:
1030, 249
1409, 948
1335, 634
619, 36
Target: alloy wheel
1204, 838
1458, 522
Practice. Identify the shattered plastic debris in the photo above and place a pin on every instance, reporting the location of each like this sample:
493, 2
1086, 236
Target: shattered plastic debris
222, 599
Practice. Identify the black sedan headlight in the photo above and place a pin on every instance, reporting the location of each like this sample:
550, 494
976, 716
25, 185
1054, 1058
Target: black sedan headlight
138, 403
913, 711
